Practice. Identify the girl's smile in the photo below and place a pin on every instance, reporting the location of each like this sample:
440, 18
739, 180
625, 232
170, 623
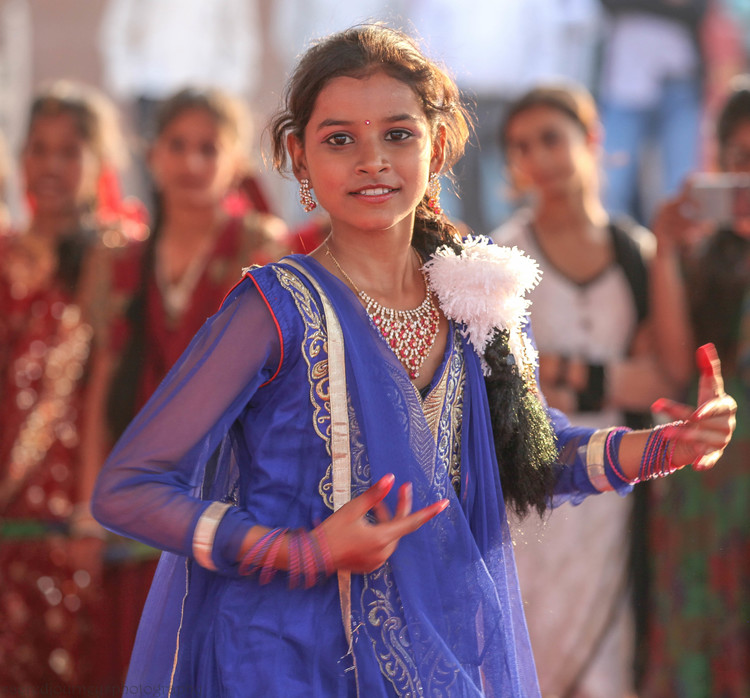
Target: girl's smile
368, 152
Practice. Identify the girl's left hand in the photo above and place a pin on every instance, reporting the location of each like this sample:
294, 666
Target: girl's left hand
702, 433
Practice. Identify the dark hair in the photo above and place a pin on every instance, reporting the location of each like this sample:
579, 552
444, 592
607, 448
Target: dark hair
734, 113
572, 100
523, 437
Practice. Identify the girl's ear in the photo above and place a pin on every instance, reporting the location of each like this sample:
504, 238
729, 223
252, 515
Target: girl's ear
296, 151
595, 135
438, 149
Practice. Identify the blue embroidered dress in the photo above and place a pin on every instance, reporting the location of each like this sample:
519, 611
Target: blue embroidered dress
239, 434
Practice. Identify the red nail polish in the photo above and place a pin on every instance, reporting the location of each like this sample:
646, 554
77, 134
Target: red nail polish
387, 480
704, 358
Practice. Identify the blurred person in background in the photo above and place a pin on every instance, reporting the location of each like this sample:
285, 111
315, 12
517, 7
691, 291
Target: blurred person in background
50, 557
199, 244
162, 290
498, 51
651, 94
700, 531
607, 350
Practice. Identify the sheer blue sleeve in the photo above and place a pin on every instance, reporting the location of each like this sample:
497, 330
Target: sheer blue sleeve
582, 468
153, 485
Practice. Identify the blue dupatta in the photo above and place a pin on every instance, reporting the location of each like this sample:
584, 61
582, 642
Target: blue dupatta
444, 615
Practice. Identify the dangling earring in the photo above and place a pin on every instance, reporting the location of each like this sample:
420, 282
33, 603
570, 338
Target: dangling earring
305, 197
433, 194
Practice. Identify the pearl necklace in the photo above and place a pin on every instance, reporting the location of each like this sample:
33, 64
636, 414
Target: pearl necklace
409, 333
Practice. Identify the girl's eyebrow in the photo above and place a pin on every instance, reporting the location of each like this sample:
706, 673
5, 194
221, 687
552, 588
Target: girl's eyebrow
327, 123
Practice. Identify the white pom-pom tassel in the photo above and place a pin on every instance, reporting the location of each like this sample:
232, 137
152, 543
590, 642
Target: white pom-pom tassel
484, 288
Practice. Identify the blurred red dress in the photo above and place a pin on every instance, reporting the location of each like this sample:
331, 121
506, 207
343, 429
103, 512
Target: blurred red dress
49, 580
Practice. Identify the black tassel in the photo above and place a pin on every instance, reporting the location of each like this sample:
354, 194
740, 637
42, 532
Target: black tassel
524, 441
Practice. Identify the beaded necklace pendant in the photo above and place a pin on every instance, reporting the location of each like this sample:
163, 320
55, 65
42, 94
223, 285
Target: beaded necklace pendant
410, 334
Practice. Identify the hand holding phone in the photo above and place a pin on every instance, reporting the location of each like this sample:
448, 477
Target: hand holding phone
720, 197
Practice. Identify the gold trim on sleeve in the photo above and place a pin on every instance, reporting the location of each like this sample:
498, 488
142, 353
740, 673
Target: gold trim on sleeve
205, 532
595, 460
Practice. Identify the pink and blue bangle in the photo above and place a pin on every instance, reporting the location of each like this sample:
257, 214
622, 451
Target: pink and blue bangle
658, 452
322, 552
254, 558
612, 453
309, 557
268, 570
295, 560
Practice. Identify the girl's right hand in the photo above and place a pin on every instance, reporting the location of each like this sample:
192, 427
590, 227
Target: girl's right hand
359, 546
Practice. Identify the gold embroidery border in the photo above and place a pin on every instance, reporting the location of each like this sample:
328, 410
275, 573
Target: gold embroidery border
342, 472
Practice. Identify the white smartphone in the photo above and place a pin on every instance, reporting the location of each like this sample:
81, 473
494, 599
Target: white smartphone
720, 197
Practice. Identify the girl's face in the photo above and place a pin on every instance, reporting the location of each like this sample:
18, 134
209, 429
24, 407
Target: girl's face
549, 153
59, 167
192, 160
368, 152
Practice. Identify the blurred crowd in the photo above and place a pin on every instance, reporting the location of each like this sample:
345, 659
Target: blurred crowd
129, 209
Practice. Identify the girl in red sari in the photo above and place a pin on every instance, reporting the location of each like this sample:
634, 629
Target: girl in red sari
204, 233
51, 549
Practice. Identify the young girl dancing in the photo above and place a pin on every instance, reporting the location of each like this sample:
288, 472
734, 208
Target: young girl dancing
394, 354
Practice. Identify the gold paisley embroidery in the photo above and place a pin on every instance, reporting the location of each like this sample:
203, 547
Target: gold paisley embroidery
325, 487
315, 352
381, 606
449, 443
433, 403
393, 641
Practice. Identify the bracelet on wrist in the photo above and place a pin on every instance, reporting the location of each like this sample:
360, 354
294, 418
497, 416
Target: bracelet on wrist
310, 560
612, 453
657, 454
